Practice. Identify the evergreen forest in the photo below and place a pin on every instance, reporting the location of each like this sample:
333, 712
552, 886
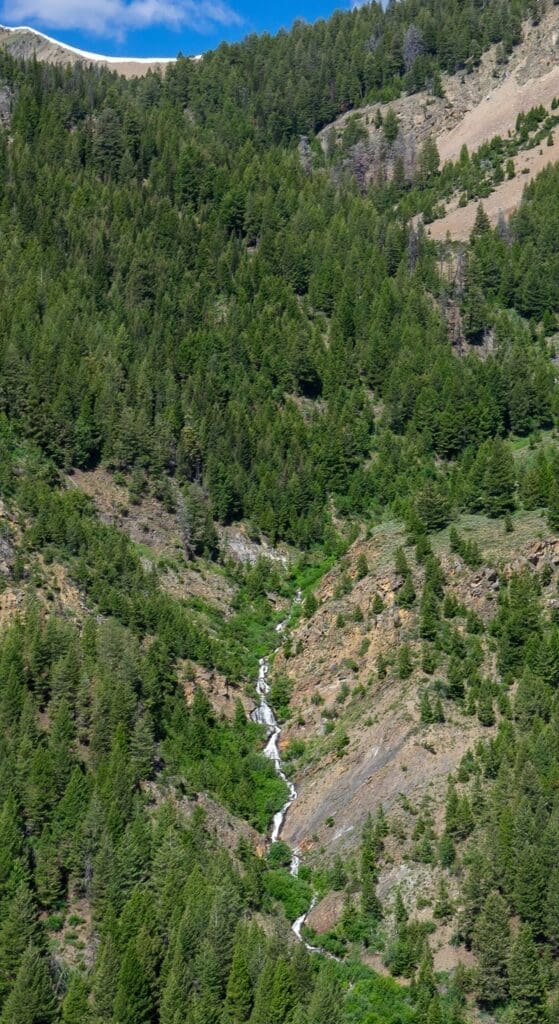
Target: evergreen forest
200, 301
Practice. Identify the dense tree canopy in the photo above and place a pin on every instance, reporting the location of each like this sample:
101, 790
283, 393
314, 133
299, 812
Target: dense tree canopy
197, 299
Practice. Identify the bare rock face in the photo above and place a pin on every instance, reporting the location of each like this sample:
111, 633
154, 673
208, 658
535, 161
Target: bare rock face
473, 100
6, 104
222, 694
325, 914
6, 555
24, 44
238, 545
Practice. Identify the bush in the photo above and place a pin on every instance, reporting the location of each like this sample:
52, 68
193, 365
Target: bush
291, 892
281, 690
279, 855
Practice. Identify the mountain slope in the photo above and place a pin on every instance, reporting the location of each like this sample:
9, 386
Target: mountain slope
472, 109
241, 387
24, 42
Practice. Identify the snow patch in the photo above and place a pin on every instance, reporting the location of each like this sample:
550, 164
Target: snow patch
93, 56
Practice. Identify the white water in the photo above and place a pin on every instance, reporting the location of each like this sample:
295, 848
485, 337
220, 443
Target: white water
265, 716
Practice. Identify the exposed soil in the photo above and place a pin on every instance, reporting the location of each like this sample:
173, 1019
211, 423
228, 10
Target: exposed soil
324, 915
11, 604
474, 109
158, 533
497, 112
391, 757
458, 221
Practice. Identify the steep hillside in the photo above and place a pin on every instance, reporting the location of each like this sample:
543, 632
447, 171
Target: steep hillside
279, 482
458, 220
471, 110
333, 662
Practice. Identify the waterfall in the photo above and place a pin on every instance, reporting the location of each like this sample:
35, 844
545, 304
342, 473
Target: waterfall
264, 715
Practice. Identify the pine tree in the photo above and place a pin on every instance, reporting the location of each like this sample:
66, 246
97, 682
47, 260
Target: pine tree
499, 480
32, 999
391, 125
485, 710
401, 563
11, 840
435, 1012
135, 997
481, 224
529, 885
525, 980
337, 875
19, 928
303, 974
455, 679
406, 595
405, 663
425, 709
260, 1010
177, 987
491, 943
142, 747
370, 902
438, 711
443, 905
106, 974
362, 566
553, 506
429, 159
425, 984
429, 615
75, 1006
206, 997
326, 1000
552, 909
474, 313
282, 995
432, 507
447, 851
198, 532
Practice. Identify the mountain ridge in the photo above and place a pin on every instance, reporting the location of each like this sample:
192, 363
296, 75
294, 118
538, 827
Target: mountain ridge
25, 41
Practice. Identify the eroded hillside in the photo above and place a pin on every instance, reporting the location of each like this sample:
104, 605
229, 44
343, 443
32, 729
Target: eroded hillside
359, 737
472, 109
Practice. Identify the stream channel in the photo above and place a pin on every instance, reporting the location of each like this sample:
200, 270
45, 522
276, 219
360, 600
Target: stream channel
264, 715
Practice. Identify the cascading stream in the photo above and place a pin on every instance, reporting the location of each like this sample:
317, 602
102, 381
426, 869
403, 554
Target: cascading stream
265, 716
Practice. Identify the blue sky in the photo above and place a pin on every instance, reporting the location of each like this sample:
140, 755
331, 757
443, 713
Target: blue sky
145, 28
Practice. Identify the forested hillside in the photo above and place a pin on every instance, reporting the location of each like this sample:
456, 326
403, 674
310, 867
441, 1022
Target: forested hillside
199, 301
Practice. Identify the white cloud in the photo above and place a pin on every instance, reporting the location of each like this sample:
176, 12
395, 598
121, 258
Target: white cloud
116, 17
